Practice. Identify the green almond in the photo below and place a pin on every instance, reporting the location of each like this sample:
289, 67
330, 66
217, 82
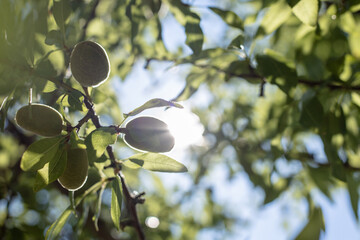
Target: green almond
40, 119
149, 134
76, 170
89, 64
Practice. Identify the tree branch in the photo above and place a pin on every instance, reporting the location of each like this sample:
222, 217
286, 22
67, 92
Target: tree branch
130, 199
255, 75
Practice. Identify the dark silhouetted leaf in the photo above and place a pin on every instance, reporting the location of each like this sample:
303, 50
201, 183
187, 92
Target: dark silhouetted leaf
229, 17
61, 11
311, 113
191, 22
353, 183
313, 227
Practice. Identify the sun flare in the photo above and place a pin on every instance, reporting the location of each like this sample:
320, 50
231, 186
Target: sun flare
185, 126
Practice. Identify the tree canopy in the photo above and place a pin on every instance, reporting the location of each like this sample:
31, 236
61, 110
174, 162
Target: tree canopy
280, 76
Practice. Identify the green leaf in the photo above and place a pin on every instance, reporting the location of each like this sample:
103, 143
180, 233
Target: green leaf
98, 208
75, 100
311, 113
55, 229
100, 138
49, 87
335, 122
153, 103
229, 17
313, 227
54, 37
278, 69
44, 67
354, 42
116, 201
353, 188
276, 15
75, 141
39, 153
194, 34
154, 162
307, 11
51, 170
322, 178
310, 66
134, 14
191, 22
354, 6
331, 151
61, 12
237, 42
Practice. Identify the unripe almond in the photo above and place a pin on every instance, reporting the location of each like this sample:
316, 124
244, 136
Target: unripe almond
76, 170
89, 64
149, 134
40, 119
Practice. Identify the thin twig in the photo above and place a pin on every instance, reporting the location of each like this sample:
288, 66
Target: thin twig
91, 16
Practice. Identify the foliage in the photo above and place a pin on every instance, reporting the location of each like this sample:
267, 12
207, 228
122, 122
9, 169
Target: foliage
270, 94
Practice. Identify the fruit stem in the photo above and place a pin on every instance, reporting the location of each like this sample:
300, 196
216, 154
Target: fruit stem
30, 96
87, 93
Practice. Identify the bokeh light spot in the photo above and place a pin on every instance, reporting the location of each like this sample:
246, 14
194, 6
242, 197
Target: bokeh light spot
152, 222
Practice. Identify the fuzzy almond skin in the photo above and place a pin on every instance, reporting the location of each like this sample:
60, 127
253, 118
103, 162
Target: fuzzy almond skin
76, 170
89, 64
40, 119
149, 134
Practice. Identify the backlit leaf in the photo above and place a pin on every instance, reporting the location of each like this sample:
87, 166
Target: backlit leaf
49, 87
100, 138
153, 103
39, 153
354, 42
51, 170
116, 201
55, 229
307, 11
275, 16
154, 162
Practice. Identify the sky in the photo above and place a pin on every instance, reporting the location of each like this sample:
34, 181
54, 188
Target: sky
281, 219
